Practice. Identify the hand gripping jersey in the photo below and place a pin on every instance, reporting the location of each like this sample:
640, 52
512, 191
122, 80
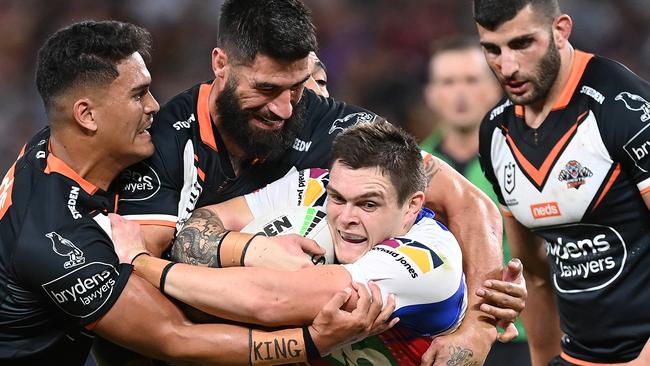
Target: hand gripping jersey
422, 268
191, 166
577, 181
58, 270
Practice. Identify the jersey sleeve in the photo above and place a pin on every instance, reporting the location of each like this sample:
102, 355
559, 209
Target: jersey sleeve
74, 268
626, 125
296, 188
150, 191
487, 130
426, 279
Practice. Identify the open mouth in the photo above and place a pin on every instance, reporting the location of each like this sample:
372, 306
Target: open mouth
268, 123
351, 238
516, 87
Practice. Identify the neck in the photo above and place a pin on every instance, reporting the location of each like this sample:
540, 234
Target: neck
81, 155
461, 144
536, 113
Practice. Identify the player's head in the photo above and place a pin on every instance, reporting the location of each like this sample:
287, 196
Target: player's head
318, 79
261, 63
94, 83
461, 88
522, 41
376, 187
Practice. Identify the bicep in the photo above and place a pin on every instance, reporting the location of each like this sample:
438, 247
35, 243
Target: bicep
234, 213
646, 199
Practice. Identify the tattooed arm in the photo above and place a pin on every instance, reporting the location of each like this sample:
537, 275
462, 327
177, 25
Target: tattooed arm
476, 223
198, 242
204, 239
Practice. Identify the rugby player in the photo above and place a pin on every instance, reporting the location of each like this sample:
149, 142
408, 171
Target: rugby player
60, 279
374, 198
254, 122
318, 76
566, 152
460, 90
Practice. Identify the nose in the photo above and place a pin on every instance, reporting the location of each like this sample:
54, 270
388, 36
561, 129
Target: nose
152, 105
348, 215
509, 64
281, 106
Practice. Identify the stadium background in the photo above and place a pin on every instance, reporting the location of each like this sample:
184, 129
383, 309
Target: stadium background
376, 51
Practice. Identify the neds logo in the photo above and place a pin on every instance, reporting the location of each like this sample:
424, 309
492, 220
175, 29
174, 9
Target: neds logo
546, 209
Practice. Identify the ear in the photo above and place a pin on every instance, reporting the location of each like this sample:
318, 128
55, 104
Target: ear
562, 26
219, 62
82, 112
430, 96
413, 207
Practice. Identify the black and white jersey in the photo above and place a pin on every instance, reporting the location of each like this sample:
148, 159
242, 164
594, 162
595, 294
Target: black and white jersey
191, 167
577, 181
58, 271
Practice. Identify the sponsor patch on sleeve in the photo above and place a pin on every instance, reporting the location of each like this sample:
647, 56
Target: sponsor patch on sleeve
638, 149
139, 183
83, 291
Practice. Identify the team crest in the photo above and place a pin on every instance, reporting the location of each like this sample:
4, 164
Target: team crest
636, 103
66, 248
509, 177
351, 120
574, 174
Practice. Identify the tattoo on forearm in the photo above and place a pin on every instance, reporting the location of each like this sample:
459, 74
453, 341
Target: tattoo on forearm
460, 356
431, 167
198, 242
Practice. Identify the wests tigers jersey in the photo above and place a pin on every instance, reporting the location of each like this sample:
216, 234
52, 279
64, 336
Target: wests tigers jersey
58, 271
191, 166
577, 181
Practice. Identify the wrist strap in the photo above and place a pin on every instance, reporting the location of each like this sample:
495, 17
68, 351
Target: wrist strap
139, 254
277, 348
232, 248
163, 276
310, 346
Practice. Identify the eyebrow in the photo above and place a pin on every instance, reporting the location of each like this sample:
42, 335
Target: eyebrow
524, 37
372, 194
268, 85
140, 88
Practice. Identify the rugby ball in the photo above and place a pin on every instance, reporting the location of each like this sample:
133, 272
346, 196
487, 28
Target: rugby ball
309, 222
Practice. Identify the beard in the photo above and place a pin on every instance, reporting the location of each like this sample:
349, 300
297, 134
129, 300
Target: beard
255, 142
543, 78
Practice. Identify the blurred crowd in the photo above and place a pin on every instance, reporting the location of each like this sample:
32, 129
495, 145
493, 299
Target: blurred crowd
376, 52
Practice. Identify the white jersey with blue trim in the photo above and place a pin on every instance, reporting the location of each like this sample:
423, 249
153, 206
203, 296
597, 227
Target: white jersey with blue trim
422, 268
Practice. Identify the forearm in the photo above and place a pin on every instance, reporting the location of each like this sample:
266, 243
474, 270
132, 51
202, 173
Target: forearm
250, 295
541, 320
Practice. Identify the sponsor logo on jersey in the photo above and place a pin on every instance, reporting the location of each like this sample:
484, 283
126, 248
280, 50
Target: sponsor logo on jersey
544, 210
311, 190
300, 145
139, 183
498, 110
635, 103
85, 290
178, 125
638, 147
585, 257
351, 120
574, 174
72, 202
66, 248
509, 177
407, 252
592, 93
